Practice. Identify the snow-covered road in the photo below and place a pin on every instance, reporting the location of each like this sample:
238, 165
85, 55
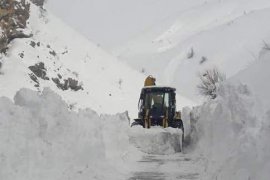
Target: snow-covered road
176, 166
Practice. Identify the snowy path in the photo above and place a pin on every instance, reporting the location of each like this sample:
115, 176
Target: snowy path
164, 167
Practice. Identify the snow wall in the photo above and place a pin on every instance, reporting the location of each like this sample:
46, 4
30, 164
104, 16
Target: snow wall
42, 139
233, 133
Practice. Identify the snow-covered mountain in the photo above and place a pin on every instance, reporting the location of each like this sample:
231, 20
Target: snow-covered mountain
43, 138
58, 57
111, 23
224, 34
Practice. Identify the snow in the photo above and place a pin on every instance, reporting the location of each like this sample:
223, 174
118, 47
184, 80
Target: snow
255, 77
42, 139
233, 129
108, 85
229, 34
118, 20
48, 133
157, 140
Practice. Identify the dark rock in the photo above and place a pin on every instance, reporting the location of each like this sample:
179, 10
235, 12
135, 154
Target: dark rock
13, 19
33, 44
52, 53
63, 86
21, 54
67, 84
39, 70
39, 3
73, 84
35, 79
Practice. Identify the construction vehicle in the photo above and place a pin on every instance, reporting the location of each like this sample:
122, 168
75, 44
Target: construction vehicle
157, 107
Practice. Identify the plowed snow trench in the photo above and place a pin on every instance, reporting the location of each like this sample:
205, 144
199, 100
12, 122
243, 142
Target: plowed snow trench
164, 167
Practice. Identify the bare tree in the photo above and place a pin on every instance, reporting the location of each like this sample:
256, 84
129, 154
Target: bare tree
210, 80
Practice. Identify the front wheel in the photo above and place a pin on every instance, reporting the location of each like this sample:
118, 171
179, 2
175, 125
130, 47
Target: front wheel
137, 122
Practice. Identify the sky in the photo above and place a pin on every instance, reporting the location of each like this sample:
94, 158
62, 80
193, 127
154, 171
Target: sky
111, 23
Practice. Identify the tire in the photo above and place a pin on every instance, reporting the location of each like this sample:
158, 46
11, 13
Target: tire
137, 122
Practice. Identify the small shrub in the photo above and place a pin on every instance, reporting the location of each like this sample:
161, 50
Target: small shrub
203, 60
210, 80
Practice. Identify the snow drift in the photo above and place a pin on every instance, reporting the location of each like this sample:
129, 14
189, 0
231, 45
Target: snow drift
42, 139
233, 135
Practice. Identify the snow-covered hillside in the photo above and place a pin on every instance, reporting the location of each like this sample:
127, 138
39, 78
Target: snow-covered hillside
80, 71
111, 23
225, 34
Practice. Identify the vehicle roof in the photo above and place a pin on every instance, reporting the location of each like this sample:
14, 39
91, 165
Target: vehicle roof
158, 88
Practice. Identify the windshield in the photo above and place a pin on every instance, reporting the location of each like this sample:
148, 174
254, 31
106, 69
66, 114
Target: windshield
156, 99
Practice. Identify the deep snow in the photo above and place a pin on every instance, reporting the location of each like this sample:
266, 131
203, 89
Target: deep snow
226, 34
233, 130
105, 81
42, 139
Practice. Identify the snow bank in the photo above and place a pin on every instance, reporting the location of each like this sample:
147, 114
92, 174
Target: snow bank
157, 140
42, 139
256, 76
233, 135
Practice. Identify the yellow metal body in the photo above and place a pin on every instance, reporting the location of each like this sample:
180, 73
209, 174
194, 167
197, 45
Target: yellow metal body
150, 81
165, 120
